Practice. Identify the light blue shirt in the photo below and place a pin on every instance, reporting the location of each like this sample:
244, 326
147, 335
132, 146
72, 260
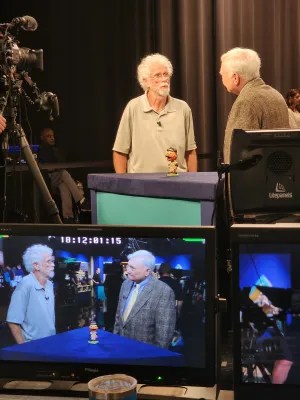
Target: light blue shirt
32, 307
141, 287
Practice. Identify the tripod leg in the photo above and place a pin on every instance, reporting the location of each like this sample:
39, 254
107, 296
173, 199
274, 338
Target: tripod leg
36, 173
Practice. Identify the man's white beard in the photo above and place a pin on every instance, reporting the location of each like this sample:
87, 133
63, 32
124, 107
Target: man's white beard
164, 92
51, 274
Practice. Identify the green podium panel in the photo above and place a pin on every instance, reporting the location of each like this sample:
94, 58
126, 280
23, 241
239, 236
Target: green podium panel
188, 199
119, 209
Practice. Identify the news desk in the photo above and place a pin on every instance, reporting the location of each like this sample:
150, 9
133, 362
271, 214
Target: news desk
73, 346
153, 199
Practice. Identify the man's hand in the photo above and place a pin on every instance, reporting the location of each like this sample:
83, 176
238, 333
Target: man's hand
2, 123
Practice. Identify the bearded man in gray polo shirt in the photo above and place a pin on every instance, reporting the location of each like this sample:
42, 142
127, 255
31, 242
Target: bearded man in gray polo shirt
153, 122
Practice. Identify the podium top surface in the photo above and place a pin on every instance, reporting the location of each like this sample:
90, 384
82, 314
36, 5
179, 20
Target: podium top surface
190, 185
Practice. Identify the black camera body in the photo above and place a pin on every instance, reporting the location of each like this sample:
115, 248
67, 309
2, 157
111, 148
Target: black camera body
16, 62
22, 58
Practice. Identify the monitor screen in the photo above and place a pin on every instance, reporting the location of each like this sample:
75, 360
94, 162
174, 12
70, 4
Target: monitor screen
69, 323
265, 164
266, 293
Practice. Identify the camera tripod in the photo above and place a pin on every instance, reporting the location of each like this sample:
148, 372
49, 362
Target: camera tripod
19, 133
52, 210
14, 63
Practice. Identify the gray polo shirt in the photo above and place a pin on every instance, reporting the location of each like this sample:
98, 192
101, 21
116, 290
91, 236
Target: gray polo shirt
145, 135
32, 307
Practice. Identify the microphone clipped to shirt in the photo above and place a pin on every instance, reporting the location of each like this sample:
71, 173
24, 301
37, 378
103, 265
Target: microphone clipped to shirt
158, 123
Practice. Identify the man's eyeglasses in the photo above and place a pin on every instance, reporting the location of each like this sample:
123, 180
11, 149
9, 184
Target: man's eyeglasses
159, 76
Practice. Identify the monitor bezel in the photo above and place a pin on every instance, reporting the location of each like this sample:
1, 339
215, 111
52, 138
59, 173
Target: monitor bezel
256, 234
144, 374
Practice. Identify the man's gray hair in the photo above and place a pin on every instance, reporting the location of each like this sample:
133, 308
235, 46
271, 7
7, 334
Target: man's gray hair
245, 62
34, 254
147, 257
143, 69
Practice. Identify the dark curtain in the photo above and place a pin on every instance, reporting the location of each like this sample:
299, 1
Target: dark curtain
185, 32
92, 48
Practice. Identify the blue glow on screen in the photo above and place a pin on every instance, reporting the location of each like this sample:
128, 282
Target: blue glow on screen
275, 267
82, 258
64, 254
181, 262
99, 261
67, 255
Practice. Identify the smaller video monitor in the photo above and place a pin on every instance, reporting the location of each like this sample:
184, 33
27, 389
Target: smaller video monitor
266, 311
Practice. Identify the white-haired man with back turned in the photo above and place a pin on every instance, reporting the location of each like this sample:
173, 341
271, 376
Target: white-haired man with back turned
154, 122
258, 106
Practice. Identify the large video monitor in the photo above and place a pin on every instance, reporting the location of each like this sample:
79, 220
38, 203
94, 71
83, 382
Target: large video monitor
70, 352
264, 176
266, 308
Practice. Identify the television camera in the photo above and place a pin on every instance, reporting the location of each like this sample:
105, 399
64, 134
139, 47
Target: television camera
15, 64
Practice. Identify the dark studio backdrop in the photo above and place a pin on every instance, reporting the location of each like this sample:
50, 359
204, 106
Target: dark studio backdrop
92, 48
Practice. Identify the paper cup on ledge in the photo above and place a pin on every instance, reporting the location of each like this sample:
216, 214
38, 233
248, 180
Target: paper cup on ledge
113, 387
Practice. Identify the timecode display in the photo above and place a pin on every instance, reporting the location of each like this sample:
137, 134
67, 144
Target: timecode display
91, 240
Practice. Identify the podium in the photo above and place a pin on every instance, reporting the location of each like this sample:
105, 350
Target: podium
153, 199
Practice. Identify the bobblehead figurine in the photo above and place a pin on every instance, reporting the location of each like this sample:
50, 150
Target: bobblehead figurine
93, 333
171, 155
